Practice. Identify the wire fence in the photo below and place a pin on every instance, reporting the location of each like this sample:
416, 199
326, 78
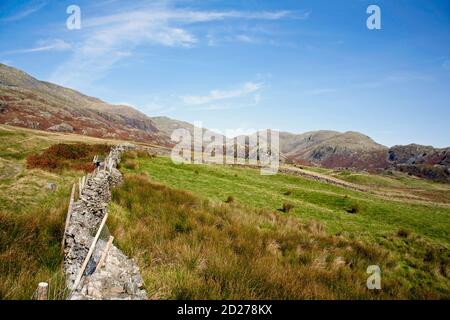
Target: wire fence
55, 289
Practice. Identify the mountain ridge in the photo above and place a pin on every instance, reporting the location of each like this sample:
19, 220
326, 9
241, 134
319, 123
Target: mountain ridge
28, 102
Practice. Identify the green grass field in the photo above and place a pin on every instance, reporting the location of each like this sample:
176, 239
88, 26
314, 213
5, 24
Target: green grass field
415, 234
376, 216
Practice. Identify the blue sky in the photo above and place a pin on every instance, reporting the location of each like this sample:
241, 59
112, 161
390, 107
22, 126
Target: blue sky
238, 66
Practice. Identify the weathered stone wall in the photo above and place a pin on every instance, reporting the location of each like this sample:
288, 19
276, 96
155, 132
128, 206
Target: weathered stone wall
119, 277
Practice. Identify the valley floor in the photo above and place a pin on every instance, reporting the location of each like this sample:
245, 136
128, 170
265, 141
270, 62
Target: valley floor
209, 231
397, 224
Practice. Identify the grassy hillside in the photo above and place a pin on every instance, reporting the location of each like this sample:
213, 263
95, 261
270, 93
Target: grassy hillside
189, 248
413, 237
31, 215
311, 199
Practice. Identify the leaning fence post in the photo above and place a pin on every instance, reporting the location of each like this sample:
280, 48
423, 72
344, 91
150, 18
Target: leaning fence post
89, 254
104, 253
42, 291
69, 213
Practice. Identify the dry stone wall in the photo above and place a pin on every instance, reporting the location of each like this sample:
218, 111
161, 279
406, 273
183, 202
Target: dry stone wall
119, 276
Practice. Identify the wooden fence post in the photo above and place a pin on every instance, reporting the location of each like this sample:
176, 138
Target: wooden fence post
111, 164
42, 291
89, 254
104, 253
69, 213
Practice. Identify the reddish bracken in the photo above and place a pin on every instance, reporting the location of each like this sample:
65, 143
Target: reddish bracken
67, 156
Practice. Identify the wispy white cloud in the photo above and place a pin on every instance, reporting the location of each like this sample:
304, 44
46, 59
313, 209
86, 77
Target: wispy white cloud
218, 95
248, 39
397, 78
25, 12
109, 36
259, 34
45, 45
182, 16
321, 91
246, 95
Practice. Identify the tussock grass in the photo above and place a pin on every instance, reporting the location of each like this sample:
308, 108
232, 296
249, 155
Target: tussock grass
134, 154
229, 199
287, 207
130, 164
30, 250
419, 263
190, 248
352, 208
403, 233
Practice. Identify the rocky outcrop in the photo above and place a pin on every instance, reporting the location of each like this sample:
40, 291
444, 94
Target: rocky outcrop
418, 154
422, 161
118, 277
62, 127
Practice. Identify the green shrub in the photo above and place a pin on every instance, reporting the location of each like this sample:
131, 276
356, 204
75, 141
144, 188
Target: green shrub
352, 208
403, 233
130, 164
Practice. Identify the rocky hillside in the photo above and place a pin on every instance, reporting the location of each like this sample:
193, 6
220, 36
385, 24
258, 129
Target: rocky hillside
334, 149
354, 150
418, 154
28, 102
422, 161
167, 125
